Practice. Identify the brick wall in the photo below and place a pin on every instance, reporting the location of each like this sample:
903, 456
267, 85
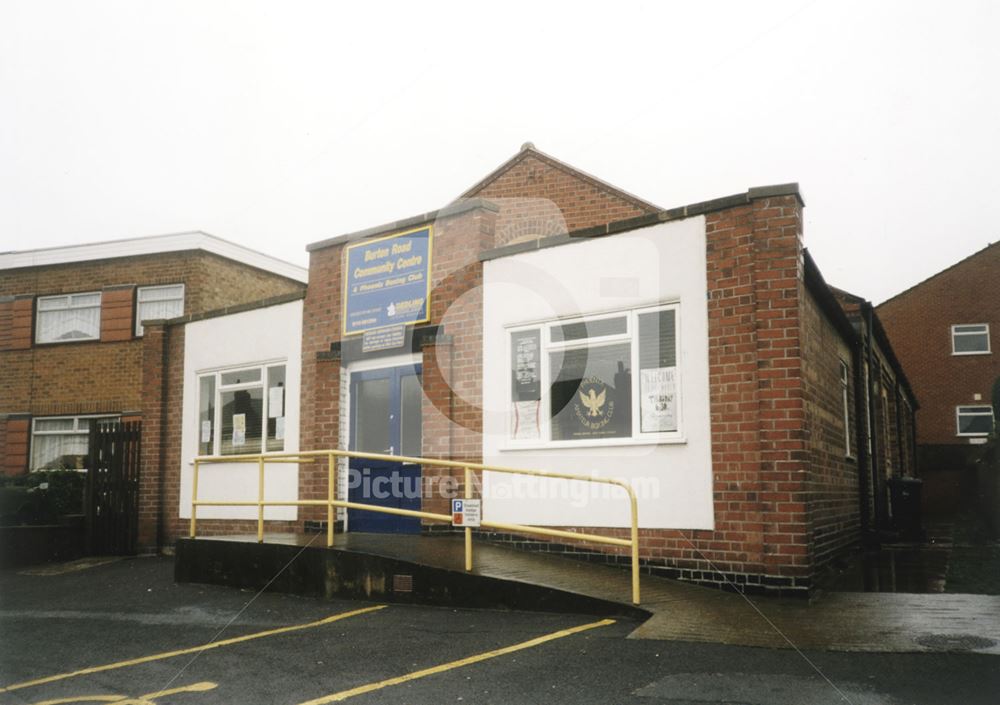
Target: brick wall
218, 282
919, 323
154, 387
539, 197
834, 508
757, 391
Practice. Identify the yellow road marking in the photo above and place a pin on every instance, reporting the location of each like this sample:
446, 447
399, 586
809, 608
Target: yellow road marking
147, 699
191, 650
468, 661
70, 567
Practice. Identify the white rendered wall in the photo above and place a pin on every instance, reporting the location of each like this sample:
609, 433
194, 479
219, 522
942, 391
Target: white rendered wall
661, 263
272, 334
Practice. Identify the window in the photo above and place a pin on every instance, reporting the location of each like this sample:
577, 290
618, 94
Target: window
62, 443
154, 302
239, 411
845, 381
598, 379
68, 318
973, 339
974, 420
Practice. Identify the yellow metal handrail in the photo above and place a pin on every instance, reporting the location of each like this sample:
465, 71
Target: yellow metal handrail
332, 502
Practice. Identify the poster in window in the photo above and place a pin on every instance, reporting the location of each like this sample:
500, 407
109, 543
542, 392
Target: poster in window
239, 429
525, 372
279, 428
592, 393
275, 402
658, 400
524, 425
206, 431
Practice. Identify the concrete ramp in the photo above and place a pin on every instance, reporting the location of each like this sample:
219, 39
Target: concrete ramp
427, 570
430, 570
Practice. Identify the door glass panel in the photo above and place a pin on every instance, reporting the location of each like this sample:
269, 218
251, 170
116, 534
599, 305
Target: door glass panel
410, 436
371, 427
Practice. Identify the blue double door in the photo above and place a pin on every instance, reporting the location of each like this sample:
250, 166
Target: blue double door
385, 419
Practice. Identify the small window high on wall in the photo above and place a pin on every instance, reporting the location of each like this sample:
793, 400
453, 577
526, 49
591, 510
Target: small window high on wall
974, 420
156, 302
596, 380
970, 339
242, 411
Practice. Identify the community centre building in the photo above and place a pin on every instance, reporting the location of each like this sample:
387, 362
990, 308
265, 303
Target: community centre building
542, 320
546, 319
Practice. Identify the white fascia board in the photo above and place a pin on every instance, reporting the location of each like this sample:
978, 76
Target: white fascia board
156, 244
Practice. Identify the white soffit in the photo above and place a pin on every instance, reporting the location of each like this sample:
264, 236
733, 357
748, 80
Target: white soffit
155, 244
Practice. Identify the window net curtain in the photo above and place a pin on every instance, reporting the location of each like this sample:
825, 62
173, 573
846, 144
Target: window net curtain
69, 324
150, 310
59, 452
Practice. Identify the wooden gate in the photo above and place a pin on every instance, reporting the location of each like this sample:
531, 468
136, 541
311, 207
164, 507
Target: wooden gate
112, 500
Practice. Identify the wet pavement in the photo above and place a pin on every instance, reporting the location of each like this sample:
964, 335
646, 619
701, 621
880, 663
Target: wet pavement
959, 556
125, 632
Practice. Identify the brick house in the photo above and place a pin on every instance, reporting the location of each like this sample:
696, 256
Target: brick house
73, 348
942, 330
696, 351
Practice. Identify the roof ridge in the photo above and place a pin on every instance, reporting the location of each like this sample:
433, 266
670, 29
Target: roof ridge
529, 149
939, 273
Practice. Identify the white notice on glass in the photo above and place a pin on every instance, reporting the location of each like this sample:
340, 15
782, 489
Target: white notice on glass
658, 402
239, 429
206, 431
276, 402
524, 425
279, 428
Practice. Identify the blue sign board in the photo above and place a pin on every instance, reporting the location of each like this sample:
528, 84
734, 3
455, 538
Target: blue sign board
387, 281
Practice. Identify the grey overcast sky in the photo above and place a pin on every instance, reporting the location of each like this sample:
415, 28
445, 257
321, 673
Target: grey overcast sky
276, 124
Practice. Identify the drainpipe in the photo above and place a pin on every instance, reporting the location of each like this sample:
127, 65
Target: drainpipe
899, 431
874, 464
861, 436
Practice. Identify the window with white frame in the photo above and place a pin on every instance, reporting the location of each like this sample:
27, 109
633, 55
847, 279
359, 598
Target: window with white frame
845, 382
970, 339
155, 302
600, 379
974, 420
68, 318
62, 443
242, 410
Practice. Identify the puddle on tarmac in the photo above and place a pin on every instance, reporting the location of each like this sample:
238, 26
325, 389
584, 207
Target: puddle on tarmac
916, 569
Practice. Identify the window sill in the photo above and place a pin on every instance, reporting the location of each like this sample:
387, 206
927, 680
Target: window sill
965, 354
596, 443
266, 455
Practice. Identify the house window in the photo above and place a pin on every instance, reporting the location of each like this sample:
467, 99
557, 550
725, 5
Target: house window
242, 411
68, 318
845, 399
597, 379
62, 443
155, 302
973, 339
974, 420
